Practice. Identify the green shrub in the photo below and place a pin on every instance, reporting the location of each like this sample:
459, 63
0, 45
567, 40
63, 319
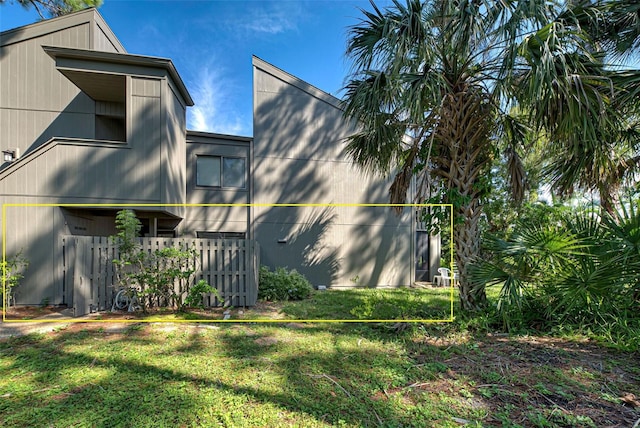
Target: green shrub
282, 285
194, 298
157, 278
578, 270
12, 270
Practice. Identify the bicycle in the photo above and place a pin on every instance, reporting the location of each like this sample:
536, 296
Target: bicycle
126, 298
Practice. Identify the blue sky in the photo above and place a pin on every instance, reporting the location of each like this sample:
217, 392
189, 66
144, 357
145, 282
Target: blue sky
211, 43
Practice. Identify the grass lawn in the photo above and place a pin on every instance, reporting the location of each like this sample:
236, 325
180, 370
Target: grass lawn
313, 375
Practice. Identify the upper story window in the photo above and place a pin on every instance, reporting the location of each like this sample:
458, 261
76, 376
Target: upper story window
111, 121
220, 171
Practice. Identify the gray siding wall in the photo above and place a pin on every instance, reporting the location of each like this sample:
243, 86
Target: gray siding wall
32, 231
215, 219
53, 124
36, 101
69, 171
146, 132
299, 158
173, 174
103, 38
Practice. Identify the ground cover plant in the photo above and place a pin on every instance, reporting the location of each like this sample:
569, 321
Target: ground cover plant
299, 374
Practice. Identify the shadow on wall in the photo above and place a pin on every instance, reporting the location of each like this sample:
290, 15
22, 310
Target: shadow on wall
304, 245
7, 38
131, 172
299, 157
74, 121
383, 259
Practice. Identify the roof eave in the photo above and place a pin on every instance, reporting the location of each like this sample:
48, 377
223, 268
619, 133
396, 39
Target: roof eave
127, 59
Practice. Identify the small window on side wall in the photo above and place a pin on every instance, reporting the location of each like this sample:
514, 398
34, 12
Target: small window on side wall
208, 171
233, 173
221, 235
218, 171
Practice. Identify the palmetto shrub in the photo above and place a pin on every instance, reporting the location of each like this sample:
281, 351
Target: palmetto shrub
583, 270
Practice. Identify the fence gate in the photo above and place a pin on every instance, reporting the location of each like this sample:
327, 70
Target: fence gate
229, 265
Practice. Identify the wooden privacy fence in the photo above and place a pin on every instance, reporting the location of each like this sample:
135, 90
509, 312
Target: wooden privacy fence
90, 279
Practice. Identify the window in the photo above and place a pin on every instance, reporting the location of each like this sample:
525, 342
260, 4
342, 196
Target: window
218, 171
110, 119
220, 235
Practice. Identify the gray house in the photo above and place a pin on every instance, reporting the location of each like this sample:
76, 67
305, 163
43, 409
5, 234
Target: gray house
83, 122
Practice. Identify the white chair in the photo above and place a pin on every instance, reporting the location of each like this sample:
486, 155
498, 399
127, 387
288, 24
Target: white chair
444, 278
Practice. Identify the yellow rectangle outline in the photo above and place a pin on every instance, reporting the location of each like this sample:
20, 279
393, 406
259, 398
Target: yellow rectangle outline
131, 205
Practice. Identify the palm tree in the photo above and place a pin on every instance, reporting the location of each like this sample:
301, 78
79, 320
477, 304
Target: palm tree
435, 86
604, 167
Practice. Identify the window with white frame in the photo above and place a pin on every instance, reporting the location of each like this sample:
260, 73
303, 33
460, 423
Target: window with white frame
220, 171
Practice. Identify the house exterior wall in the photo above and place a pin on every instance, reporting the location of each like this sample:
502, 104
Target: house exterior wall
146, 139
216, 219
67, 156
37, 102
298, 157
53, 124
104, 39
174, 165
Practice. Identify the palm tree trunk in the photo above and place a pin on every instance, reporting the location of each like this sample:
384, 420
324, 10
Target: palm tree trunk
467, 248
609, 201
463, 132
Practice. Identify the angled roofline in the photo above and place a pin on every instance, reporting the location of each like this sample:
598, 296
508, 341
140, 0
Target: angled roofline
204, 134
124, 59
297, 82
41, 28
50, 144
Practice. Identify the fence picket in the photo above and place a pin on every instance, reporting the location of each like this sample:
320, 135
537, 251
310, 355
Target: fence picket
230, 266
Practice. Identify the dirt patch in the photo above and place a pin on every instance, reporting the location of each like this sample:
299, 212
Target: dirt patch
262, 310
297, 325
33, 312
266, 341
569, 383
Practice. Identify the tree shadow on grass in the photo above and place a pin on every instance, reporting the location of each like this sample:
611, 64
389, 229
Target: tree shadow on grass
141, 378
303, 374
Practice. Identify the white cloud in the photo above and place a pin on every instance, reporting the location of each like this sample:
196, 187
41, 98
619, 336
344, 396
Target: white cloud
213, 110
272, 18
270, 22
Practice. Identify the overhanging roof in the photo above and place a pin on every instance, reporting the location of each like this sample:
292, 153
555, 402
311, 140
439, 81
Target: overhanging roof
104, 67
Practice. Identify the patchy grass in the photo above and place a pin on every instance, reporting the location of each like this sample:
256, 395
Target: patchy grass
293, 373
350, 304
310, 375
347, 304
370, 304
